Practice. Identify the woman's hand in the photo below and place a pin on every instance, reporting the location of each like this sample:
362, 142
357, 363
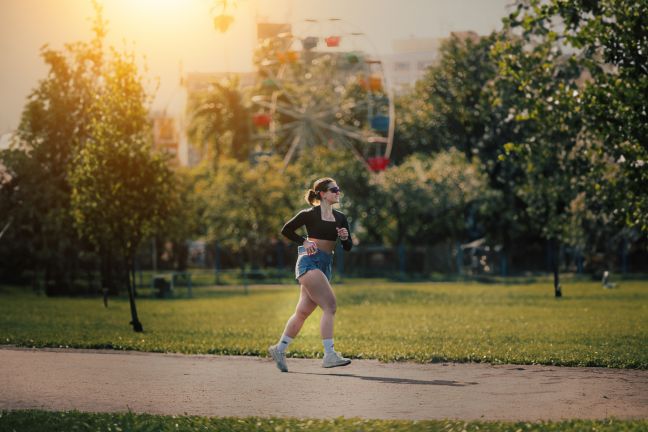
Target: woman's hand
311, 247
343, 233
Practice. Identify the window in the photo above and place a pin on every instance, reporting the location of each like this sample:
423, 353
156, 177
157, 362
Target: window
423, 65
401, 66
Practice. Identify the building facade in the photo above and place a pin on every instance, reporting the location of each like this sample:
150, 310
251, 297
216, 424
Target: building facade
413, 56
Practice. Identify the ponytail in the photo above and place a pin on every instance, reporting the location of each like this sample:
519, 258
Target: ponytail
311, 196
320, 185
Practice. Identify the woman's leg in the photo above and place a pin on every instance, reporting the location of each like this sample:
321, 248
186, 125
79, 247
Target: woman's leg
304, 308
320, 292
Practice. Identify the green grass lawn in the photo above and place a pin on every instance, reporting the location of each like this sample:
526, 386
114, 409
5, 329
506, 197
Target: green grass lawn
42, 421
423, 322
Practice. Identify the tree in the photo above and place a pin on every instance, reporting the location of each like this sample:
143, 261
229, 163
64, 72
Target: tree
19, 244
182, 222
447, 108
54, 122
118, 198
422, 201
119, 188
608, 40
245, 204
220, 122
555, 159
426, 200
587, 107
459, 104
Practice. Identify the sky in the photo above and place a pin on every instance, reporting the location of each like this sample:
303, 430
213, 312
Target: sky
178, 36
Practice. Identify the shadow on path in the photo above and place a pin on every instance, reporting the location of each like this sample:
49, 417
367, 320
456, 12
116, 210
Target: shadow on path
388, 380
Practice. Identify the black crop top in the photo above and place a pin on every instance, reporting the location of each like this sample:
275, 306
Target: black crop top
316, 227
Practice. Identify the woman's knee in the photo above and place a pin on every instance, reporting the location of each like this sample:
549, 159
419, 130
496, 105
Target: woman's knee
330, 306
302, 313
319, 290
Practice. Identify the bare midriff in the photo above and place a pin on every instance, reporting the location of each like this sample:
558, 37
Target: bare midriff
326, 245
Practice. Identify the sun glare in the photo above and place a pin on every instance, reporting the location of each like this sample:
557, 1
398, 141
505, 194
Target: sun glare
160, 4
166, 10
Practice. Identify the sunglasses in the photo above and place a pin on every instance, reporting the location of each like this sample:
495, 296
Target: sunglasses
335, 189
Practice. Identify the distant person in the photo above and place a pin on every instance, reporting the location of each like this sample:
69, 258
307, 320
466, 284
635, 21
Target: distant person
606, 280
324, 226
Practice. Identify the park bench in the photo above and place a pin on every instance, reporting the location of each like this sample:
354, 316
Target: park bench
165, 287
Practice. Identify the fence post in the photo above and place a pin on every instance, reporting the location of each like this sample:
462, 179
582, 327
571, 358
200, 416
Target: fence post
154, 259
624, 255
579, 262
504, 263
339, 252
459, 258
139, 272
216, 263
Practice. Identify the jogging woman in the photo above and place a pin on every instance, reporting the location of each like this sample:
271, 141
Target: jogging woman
324, 226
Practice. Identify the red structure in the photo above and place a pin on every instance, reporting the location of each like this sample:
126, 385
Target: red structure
378, 163
261, 120
332, 41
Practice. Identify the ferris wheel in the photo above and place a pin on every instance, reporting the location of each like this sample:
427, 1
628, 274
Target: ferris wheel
318, 85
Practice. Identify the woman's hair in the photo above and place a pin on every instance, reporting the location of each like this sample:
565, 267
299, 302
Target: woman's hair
320, 185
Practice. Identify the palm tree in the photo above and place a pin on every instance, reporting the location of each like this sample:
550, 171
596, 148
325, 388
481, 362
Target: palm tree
220, 121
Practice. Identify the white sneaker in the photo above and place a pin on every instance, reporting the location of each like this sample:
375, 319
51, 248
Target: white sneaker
334, 359
279, 358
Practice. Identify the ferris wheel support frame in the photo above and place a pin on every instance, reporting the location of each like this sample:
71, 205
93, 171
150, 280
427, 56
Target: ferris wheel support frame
309, 122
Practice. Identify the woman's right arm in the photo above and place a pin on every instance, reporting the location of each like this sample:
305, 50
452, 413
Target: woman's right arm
294, 224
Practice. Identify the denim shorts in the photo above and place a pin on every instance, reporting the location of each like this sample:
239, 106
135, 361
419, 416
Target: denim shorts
320, 260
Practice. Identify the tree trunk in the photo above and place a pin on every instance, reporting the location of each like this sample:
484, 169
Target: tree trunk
402, 260
181, 255
555, 261
427, 259
624, 255
54, 286
137, 325
154, 254
35, 283
459, 258
505, 253
133, 279
107, 280
400, 242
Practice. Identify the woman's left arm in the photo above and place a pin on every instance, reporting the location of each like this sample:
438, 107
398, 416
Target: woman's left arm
345, 235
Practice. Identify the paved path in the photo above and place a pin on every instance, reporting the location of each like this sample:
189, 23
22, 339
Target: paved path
89, 380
